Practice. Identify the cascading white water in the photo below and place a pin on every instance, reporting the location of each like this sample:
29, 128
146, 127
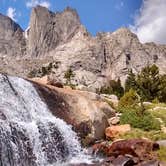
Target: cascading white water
29, 134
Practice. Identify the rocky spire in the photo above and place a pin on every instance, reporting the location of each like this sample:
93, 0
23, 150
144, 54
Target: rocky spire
48, 29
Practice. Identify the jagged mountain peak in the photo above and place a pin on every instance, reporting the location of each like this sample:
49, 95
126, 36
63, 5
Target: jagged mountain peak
11, 38
8, 24
61, 39
48, 29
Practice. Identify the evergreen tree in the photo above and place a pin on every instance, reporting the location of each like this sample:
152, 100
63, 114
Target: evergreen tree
162, 89
148, 83
130, 81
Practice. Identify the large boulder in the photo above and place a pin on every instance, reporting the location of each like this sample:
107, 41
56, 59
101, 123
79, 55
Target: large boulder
85, 111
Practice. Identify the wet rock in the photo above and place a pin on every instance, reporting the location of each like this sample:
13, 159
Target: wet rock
85, 111
114, 131
123, 161
139, 148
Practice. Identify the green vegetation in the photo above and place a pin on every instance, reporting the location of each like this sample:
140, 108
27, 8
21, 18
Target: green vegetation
149, 84
160, 113
130, 99
162, 153
68, 76
130, 81
114, 87
44, 70
138, 133
143, 106
33, 73
135, 118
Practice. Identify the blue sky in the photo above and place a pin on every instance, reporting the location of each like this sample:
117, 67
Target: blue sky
96, 15
146, 18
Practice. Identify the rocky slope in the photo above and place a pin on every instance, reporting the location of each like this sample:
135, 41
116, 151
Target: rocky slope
60, 38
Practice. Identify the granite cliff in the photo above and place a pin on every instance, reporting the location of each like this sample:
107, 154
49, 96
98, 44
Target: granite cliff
61, 39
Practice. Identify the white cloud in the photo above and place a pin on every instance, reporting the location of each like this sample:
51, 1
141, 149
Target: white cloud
150, 23
45, 4
11, 12
33, 3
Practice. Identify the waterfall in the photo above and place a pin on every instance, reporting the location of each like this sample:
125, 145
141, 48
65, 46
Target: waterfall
29, 134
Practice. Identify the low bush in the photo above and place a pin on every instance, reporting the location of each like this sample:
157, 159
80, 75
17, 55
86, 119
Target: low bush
160, 113
130, 99
145, 122
162, 153
138, 133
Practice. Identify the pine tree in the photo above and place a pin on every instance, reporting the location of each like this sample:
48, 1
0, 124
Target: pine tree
148, 83
130, 81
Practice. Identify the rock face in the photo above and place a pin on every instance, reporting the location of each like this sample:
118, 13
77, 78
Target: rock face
48, 30
60, 38
12, 42
85, 111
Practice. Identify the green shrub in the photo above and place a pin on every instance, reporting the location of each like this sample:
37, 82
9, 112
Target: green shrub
69, 75
145, 122
32, 73
160, 113
155, 101
162, 153
130, 99
44, 70
138, 133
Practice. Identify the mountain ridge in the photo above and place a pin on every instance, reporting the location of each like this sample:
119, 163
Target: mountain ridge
61, 38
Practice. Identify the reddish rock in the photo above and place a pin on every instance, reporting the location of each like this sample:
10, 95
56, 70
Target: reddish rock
139, 148
114, 131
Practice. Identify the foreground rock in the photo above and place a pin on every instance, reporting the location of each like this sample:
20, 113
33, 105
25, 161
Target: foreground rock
128, 152
115, 131
85, 111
